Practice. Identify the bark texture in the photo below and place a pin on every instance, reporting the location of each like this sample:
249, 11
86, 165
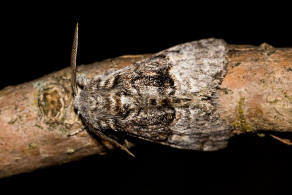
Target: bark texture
257, 90
36, 117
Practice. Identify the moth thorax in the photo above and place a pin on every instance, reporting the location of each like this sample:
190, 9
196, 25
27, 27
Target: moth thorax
112, 104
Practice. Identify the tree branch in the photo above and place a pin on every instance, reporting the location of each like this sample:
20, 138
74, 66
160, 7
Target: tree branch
36, 117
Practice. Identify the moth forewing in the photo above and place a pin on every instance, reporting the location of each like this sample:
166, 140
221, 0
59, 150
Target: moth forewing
168, 98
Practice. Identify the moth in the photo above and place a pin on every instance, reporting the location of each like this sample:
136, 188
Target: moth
168, 98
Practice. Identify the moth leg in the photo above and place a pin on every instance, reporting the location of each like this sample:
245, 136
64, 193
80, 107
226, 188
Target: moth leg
284, 141
104, 137
107, 138
128, 144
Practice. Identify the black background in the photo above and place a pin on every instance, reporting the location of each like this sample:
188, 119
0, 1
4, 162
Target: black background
36, 40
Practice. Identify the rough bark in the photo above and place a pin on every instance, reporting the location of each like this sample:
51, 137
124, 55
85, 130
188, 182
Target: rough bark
36, 117
257, 90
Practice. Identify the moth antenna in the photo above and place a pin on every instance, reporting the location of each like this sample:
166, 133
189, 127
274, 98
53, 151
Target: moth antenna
73, 60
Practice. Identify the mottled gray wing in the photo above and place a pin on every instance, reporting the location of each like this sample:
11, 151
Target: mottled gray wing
168, 98
177, 90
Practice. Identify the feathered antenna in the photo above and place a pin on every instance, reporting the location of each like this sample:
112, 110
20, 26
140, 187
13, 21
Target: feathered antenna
73, 60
